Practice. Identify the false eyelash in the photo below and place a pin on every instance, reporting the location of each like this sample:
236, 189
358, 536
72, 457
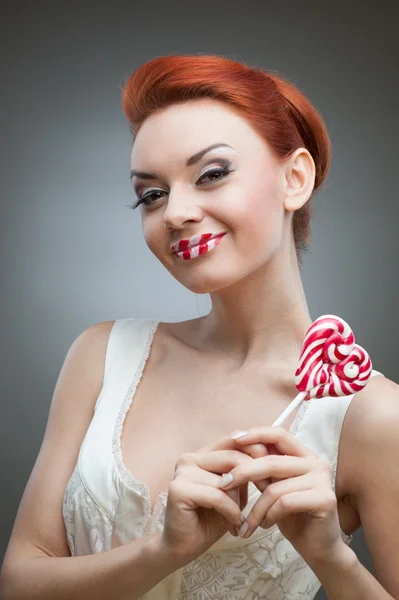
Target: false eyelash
225, 170
134, 204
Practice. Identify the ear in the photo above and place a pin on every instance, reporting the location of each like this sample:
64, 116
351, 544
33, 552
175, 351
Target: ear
299, 177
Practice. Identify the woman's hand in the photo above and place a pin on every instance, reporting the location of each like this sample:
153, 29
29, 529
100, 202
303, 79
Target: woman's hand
299, 498
198, 512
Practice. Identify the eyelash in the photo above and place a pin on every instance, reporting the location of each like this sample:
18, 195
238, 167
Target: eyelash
224, 171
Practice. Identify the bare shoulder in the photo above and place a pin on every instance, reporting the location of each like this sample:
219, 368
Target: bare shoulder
370, 458
96, 335
369, 432
39, 528
86, 356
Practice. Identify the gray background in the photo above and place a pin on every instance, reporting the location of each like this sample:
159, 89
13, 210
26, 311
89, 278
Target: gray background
72, 254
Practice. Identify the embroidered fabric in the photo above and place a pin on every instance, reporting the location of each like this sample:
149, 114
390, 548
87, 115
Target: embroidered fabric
267, 567
88, 527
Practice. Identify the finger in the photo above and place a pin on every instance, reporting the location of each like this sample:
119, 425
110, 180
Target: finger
271, 449
268, 466
196, 474
185, 493
317, 502
241, 493
235, 495
200, 476
257, 451
218, 461
226, 443
252, 450
275, 491
284, 442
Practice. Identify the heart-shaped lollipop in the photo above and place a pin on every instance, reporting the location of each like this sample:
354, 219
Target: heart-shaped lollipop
330, 363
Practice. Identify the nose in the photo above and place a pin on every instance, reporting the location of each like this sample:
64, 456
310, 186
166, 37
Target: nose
180, 209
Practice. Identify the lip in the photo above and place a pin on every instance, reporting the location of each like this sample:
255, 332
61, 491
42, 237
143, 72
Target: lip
195, 240
199, 249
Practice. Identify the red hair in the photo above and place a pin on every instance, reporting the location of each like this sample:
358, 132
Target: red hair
274, 107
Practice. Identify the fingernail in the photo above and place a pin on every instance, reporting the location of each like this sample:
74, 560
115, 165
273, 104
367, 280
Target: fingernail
238, 434
243, 529
225, 480
242, 518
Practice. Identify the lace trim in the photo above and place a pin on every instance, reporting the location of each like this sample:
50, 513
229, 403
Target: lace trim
127, 478
299, 416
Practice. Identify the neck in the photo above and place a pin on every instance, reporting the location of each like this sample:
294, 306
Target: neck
262, 319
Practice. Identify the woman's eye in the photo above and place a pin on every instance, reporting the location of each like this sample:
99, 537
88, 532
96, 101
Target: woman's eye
146, 199
212, 172
219, 173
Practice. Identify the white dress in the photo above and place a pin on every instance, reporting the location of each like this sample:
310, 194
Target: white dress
104, 506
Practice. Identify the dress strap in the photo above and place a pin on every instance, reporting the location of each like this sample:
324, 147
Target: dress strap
125, 347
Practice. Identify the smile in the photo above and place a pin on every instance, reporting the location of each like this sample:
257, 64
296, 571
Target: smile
199, 249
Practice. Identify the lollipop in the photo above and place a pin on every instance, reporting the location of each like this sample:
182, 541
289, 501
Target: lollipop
330, 364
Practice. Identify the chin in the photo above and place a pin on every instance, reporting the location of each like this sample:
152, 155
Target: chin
208, 276
208, 284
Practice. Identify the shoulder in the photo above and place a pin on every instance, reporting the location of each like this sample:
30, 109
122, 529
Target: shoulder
370, 457
369, 434
98, 331
374, 411
105, 337
93, 339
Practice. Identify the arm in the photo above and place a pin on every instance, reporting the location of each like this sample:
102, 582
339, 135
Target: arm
37, 564
348, 579
123, 573
370, 452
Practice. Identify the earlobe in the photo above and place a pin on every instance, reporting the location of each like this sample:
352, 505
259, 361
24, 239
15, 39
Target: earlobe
292, 204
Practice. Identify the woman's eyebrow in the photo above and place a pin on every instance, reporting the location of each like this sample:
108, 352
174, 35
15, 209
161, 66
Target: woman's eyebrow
189, 162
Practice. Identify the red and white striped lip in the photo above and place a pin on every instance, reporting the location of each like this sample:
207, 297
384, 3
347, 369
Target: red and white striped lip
195, 240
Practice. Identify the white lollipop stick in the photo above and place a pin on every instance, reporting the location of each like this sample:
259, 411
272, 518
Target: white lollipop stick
290, 408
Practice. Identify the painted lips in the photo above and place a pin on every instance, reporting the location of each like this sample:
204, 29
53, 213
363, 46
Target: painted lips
205, 244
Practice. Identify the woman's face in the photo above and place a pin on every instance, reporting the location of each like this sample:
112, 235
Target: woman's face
235, 189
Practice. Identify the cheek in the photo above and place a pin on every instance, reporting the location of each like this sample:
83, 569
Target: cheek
257, 218
156, 238
151, 228
153, 237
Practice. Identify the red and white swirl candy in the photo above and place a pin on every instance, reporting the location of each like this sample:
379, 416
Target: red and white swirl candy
330, 363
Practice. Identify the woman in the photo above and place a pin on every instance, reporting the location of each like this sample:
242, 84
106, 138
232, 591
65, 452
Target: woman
224, 163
